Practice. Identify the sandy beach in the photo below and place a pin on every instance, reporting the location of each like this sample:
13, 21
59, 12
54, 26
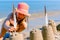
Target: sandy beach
36, 21
37, 18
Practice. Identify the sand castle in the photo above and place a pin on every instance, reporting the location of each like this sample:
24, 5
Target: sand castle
36, 34
15, 36
48, 33
53, 25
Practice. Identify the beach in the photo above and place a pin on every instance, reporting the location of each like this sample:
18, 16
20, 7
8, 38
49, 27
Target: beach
37, 20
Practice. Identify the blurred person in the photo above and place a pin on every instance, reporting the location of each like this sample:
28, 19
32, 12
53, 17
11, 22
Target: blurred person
21, 13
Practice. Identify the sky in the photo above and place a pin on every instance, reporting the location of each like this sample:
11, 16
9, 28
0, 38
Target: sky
29, 0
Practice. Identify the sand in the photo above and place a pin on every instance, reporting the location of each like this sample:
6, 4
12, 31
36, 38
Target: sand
34, 16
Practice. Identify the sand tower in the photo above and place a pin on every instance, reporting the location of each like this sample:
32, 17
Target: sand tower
36, 34
15, 36
53, 25
48, 33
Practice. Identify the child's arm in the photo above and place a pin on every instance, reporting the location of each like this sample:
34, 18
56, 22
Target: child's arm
22, 26
7, 25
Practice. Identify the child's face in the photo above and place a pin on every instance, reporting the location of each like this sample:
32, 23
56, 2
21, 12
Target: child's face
20, 16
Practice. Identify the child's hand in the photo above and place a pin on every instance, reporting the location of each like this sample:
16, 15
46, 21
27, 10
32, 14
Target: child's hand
12, 29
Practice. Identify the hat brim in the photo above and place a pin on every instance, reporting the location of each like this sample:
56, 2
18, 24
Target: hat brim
24, 12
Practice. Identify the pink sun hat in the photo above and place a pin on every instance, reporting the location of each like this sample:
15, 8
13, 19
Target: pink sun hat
23, 9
